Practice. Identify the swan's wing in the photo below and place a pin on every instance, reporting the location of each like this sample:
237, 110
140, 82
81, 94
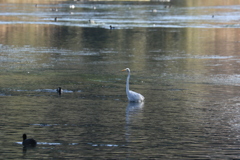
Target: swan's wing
135, 97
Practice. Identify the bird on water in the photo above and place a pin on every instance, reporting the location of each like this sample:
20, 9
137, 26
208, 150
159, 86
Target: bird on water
59, 90
111, 27
28, 142
131, 95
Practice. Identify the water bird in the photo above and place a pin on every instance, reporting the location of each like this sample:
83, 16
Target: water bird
72, 6
168, 6
59, 90
111, 27
91, 21
131, 95
154, 10
28, 142
54, 9
56, 19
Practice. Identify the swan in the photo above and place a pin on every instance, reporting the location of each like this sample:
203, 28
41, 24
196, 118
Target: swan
131, 95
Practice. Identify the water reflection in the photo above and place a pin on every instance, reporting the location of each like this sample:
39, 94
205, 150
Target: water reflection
25, 149
135, 14
132, 111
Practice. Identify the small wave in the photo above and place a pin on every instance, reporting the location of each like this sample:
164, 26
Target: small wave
104, 145
193, 57
45, 90
2, 94
50, 125
50, 143
44, 125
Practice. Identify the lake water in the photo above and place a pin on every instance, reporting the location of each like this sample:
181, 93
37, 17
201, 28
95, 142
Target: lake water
184, 58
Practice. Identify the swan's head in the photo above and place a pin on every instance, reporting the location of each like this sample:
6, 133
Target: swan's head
126, 69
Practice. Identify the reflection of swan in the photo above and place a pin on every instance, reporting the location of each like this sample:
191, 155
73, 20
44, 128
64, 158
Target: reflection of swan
132, 96
133, 109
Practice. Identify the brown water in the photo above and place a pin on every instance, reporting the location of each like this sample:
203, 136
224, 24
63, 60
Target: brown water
184, 61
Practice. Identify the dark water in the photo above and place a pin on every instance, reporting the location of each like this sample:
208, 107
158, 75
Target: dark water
183, 57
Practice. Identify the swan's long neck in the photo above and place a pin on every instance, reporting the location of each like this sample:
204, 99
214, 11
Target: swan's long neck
127, 83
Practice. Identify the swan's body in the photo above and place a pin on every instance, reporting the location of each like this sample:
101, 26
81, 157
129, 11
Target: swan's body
131, 95
28, 142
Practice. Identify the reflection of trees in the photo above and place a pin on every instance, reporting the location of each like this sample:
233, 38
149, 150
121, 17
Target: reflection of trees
204, 3
131, 46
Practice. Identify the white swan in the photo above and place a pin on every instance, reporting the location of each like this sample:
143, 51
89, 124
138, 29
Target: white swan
131, 95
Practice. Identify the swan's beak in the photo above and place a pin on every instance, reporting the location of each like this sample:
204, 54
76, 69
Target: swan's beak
123, 70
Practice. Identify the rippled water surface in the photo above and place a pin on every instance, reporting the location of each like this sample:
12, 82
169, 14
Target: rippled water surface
184, 58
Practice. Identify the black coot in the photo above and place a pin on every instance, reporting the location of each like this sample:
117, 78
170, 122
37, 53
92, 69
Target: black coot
28, 142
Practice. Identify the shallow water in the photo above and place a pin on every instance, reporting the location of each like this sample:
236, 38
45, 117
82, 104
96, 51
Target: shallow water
182, 59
